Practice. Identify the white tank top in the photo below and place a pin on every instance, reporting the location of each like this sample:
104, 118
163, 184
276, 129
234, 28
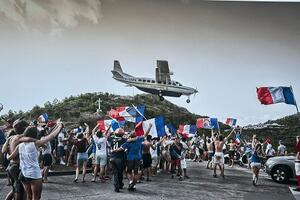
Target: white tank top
29, 163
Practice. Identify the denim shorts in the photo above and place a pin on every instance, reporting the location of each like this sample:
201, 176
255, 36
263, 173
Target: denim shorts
82, 157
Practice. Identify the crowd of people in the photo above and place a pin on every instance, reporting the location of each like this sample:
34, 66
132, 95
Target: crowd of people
30, 149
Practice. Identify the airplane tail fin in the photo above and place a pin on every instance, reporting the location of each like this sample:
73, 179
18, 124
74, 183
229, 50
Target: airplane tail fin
117, 66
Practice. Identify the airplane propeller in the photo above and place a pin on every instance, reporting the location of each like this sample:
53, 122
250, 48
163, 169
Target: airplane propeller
196, 91
1, 107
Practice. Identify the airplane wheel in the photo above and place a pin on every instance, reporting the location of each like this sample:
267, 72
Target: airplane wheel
188, 101
161, 98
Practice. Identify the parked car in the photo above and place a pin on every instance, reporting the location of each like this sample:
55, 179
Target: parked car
281, 168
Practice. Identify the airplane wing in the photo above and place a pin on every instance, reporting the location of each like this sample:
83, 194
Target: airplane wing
162, 71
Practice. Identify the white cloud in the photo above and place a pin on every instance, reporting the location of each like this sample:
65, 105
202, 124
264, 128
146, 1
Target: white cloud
49, 16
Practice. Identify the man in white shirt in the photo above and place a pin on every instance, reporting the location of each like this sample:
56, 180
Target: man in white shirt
269, 150
281, 151
61, 147
100, 140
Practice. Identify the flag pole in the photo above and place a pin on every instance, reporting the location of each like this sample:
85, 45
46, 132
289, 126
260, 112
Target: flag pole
298, 114
139, 112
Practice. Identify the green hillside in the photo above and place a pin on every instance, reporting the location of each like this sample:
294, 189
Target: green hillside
75, 110
289, 128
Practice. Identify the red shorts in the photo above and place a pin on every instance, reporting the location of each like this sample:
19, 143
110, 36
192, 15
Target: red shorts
175, 162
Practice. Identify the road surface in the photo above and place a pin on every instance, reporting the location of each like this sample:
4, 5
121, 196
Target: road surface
236, 185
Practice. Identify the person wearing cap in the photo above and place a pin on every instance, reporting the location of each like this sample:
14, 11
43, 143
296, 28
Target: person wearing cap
134, 156
118, 159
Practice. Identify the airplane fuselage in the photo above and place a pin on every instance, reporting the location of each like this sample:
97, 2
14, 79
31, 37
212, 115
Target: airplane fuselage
173, 88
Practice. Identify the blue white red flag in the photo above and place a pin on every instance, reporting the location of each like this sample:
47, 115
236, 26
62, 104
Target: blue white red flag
43, 118
104, 124
237, 138
189, 130
157, 130
170, 129
272, 95
77, 130
231, 122
127, 113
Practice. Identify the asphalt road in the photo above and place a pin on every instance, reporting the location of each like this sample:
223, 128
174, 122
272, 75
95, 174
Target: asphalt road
236, 185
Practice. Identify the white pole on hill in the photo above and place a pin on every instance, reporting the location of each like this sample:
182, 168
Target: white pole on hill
99, 105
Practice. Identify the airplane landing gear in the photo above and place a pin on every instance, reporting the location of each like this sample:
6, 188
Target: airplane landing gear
161, 98
188, 100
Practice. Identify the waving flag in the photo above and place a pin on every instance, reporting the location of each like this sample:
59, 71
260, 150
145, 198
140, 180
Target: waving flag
157, 130
170, 129
272, 95
43, 118
104, 124
130, 114
189, 130
114, 114
77, 130
230, 122
214, 123
237, 139
204, 123
208, 123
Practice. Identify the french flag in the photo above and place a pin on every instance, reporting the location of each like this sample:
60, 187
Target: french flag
170, 129
43, 118
104, 124
237, 139
272, 95
157, 130
231, 122
77, 130
189, 130
130, 114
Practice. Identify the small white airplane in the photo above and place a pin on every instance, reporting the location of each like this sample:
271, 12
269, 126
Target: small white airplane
162, 85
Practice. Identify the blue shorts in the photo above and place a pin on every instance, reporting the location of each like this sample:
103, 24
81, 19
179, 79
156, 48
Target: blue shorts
60, 151
82, 157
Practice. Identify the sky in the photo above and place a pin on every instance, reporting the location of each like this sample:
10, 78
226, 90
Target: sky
224, 49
